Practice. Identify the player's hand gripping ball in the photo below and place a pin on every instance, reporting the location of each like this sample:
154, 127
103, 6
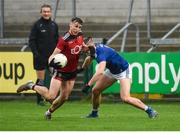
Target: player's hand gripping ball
58, 61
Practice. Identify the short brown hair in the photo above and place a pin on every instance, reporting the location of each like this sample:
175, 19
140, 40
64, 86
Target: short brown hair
45, 5
77, 19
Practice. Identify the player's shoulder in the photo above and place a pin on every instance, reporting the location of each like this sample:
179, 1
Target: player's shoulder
99, 45
67, 36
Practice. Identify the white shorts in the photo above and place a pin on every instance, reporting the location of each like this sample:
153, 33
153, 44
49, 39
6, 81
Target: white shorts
125, 74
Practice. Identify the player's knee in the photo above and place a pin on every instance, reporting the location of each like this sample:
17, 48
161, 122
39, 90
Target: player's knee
125, 99
51, 97
95, 91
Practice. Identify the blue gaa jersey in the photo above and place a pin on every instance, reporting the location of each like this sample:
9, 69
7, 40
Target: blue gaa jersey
114, 62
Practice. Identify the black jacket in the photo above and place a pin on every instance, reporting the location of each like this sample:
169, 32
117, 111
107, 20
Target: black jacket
43, 38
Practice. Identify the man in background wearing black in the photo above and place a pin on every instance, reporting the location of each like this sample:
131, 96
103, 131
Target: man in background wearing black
42, 41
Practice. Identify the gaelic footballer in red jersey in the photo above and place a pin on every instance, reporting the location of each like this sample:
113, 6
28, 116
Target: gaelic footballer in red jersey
63, 80
70, 46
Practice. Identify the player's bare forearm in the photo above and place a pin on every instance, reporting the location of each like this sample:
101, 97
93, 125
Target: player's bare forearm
95, 77
98, 74
87, 62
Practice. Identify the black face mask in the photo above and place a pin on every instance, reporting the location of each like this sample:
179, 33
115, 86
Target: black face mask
92, 51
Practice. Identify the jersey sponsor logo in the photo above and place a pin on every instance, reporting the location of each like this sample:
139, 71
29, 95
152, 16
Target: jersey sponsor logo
76, 49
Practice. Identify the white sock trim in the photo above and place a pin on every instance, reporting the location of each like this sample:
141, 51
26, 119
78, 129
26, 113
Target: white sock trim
94, 109
146, 107
48, 112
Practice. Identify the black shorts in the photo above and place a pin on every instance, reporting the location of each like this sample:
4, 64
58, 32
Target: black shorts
65, 75
39, 63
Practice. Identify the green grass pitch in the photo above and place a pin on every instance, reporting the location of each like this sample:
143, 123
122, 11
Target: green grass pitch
25, 115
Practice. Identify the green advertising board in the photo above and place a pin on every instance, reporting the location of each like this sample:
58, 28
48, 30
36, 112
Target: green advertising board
152, 73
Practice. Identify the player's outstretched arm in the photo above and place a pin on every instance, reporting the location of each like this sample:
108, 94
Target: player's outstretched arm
87, 62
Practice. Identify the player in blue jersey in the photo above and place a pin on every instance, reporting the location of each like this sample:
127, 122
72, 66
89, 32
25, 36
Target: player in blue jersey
111, 67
